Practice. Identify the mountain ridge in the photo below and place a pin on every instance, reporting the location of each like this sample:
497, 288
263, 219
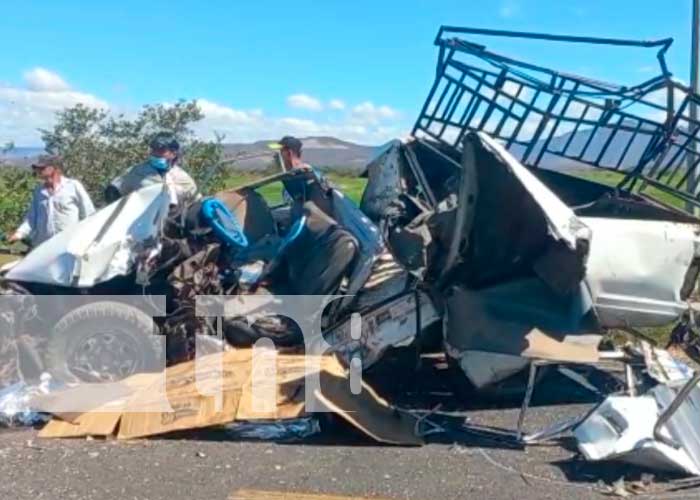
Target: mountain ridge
321, 151
330, 153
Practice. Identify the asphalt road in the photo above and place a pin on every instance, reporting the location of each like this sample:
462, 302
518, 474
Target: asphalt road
208, 465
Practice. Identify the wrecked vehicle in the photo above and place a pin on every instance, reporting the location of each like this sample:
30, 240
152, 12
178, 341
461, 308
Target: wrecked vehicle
470, 226
511, 260
82, 288
484, 204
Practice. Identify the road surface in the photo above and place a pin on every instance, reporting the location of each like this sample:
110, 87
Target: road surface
208, 465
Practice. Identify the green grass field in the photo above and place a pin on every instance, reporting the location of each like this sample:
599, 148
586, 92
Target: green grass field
613, 179
350, 186
354, 186
5, 258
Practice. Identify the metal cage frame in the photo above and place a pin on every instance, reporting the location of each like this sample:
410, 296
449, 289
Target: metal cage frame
644, 132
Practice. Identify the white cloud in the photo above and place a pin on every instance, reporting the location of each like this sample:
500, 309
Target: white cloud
25, 109
43, 80
217, 113
28, 107
366, 123
511, 88
297, 126
368, 113
337, 104
304, 101
508, 10
660, 97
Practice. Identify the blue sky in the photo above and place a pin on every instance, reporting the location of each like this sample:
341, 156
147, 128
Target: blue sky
355, 69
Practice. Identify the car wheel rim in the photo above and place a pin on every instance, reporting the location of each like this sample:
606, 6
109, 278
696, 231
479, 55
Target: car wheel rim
105, 357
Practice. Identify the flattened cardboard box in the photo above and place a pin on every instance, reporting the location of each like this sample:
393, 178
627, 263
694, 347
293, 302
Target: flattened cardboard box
217, 389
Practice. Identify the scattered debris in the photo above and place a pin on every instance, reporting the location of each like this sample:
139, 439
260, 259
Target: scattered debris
32, 445
663, 367
284, 430
16, 407
626, 428
624, 489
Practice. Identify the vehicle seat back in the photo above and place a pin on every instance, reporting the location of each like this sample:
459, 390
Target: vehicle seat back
252, 212
369, 241
320, 253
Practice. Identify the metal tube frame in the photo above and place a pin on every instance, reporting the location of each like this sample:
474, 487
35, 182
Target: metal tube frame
668, 413
527, 106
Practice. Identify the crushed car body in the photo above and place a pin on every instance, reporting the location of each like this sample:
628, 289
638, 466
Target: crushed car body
531, 263
231, 244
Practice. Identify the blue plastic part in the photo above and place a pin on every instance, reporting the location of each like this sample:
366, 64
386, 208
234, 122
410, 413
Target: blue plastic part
224, 224
293, 233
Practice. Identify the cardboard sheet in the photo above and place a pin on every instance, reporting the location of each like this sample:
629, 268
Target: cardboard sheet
218, 389
366, 411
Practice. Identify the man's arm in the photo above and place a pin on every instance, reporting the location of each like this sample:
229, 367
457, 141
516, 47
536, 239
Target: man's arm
25, 228
85, 206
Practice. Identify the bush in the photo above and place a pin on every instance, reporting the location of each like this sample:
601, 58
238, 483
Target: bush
16, 186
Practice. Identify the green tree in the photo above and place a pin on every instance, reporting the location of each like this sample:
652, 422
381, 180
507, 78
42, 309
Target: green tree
97, 146
16, 185
15, 190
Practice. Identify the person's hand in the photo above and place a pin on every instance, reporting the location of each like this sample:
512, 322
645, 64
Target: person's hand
14, 237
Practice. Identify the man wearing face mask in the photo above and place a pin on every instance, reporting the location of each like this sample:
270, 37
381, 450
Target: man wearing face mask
161, 167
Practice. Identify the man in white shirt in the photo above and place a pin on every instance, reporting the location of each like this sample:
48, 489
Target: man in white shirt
161, 167
57, 203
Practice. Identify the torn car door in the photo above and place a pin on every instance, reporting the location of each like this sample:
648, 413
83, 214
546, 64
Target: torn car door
518, 226
638, 269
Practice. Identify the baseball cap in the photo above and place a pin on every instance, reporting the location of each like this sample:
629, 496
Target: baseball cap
291, 143
165, 140
48, 161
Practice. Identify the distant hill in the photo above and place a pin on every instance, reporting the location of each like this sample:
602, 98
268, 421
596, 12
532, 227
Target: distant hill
593, 143
323, 152
335, 154
21, 156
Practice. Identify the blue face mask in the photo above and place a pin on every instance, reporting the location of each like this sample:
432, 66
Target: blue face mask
160, 164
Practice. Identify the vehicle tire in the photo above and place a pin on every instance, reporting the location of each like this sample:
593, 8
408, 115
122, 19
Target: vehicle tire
103, 342
281, 330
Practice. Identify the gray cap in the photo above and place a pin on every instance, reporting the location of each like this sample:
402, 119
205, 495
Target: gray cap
48, 161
